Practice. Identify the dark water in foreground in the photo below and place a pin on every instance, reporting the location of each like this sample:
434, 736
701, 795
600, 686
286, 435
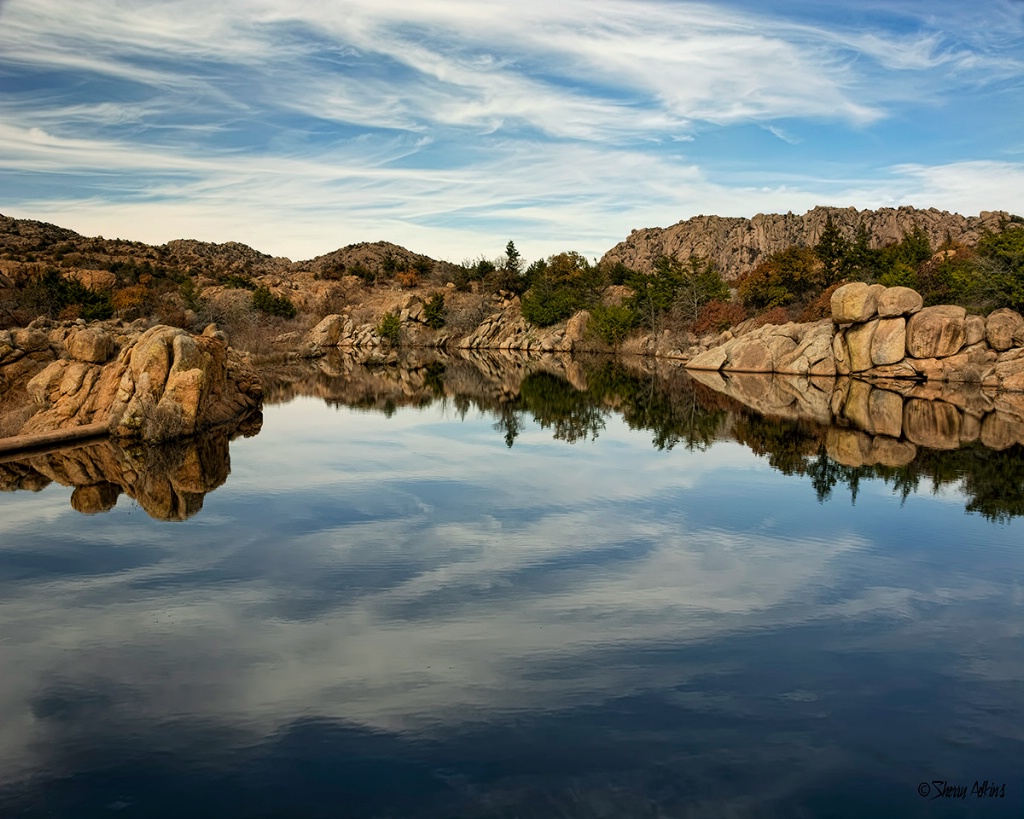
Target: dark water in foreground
389, 614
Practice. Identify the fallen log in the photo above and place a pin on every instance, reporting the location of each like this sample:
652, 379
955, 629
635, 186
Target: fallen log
21, 444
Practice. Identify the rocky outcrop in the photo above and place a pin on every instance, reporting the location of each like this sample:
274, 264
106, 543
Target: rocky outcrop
736, 245
503, 329
795, 349
878, 332
155, 385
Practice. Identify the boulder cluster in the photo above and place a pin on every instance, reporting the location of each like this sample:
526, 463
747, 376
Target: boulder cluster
155, 384
883, 332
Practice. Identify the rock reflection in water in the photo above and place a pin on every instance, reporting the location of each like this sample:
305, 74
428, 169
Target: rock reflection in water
168, 481
837, 432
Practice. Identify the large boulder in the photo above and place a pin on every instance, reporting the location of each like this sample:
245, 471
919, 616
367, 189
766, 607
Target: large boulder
326, 334
858, 345
899, 301
1004, 329
91, 344
936, 332
889, 342
855, 302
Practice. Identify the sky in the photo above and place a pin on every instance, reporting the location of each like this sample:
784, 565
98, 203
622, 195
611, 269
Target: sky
451, 127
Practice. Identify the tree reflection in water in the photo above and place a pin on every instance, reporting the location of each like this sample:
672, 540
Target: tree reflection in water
574, 399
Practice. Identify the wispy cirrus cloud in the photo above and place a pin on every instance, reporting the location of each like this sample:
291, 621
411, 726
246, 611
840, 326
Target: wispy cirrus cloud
457, 124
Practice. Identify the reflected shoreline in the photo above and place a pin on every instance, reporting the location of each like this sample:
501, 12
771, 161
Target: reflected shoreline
169, 481
836, 432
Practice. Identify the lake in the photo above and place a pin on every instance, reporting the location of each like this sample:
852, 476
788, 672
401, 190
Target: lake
514, 589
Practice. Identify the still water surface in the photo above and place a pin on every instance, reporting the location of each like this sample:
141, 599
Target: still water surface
397, 614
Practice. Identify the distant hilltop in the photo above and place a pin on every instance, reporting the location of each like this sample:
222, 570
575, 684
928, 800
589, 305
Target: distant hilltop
736, 244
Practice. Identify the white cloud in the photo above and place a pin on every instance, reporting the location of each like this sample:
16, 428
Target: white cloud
448, 127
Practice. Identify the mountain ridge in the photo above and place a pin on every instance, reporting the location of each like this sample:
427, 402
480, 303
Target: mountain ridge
737, 244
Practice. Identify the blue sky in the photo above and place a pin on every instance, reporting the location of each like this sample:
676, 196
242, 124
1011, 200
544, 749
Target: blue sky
450, 126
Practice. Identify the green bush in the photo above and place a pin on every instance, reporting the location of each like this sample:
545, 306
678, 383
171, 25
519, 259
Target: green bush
266, 302
389, 328
1001, 265
673, 285
612, 323
238, 282
559, 287
433, 312
53, 295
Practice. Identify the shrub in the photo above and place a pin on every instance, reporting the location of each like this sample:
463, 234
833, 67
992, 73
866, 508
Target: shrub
389, 328
191, 296
718, 315
1001, 263
266, 302
234, 280
53, 295
433, 311
612, 323
682, 288
618, 273
132, 302
777, 315
821, 306
407, 278
364, 273
782, 278
559, 287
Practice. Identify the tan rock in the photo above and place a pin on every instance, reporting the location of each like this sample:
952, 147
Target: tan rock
781, 348
327, 332
29, 340
575, 330
1010, 374
936, 332
91, 344
1001, 328
96, 498
749, 354
93, 279
889, 342
900, 370
854, 302
886, 412
855, 405
859, 342
872, 410
841, 354
970, 427
899, 301
999, 431
975, 326
826, 367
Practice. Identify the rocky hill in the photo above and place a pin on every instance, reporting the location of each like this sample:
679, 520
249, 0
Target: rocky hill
25, 245
736, 244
